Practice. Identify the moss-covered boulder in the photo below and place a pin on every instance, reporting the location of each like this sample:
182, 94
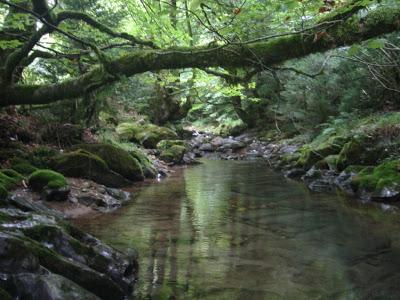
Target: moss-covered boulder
173, 154
166, 144
23, 167
42, 179
360, 151
311, 154
149, 171
117, 160
381, 182
147, 135
41, 156
83, 164
53, 185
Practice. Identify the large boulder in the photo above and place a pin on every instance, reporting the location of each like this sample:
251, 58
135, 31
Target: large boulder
83, 164
147, 135
149, 170
44, 258
173, 154
360, 151
117, 159
311, 154
172, 151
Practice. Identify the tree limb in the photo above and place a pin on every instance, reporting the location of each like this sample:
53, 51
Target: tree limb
271, 52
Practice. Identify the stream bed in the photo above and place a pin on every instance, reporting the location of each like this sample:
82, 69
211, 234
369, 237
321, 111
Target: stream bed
237, 230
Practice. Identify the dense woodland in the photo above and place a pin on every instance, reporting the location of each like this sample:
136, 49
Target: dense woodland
114, 92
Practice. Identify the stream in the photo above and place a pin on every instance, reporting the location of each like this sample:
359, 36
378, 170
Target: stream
237, 230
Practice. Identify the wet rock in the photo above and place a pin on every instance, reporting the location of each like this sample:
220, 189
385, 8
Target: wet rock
98, 196
294, 173
58, 194
44, 258
206, 147
319, 180
231, 144
27, 205
47, 286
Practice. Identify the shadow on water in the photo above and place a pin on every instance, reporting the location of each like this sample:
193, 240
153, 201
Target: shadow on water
236, 230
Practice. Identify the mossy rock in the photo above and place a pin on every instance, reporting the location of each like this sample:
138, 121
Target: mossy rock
9, 182
117, 160
328, 163
46, 179
24, 168
13, 174
3, 192
42, 156
149, 171
83, 164
310, 155
166, 144
360, 151
147, 135
173, 154
375, 179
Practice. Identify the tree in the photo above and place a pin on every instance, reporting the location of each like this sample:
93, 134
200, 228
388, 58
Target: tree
343, 26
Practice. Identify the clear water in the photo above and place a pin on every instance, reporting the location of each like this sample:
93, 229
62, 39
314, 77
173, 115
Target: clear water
236, 230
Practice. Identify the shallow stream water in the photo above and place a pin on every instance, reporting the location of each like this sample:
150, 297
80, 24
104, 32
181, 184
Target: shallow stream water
237, 230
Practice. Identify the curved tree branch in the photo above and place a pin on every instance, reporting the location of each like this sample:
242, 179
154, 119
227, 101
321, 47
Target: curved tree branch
270, 53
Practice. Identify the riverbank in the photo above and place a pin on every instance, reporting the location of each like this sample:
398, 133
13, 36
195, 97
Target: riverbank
43, 185
361, 162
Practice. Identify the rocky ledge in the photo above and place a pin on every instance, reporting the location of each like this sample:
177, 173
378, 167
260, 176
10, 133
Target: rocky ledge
43, 257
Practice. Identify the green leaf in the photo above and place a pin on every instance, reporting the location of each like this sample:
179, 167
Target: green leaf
376, 44
354, 50
194, 4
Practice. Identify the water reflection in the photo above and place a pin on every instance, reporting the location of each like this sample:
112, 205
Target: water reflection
235, 230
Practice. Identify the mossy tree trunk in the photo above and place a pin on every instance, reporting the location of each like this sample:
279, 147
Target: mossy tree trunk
268, 52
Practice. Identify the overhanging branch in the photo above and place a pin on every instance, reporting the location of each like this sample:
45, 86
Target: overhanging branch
270, 53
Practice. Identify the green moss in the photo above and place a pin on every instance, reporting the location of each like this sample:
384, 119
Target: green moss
24, 168
118, 160
360, 151
13, 174
8, 182
313, 153
46, 179
354, 169
148, 168
147, 135
3, 192
79, 163
165, 144
375, 179
173, 154
83, 164
41, 156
